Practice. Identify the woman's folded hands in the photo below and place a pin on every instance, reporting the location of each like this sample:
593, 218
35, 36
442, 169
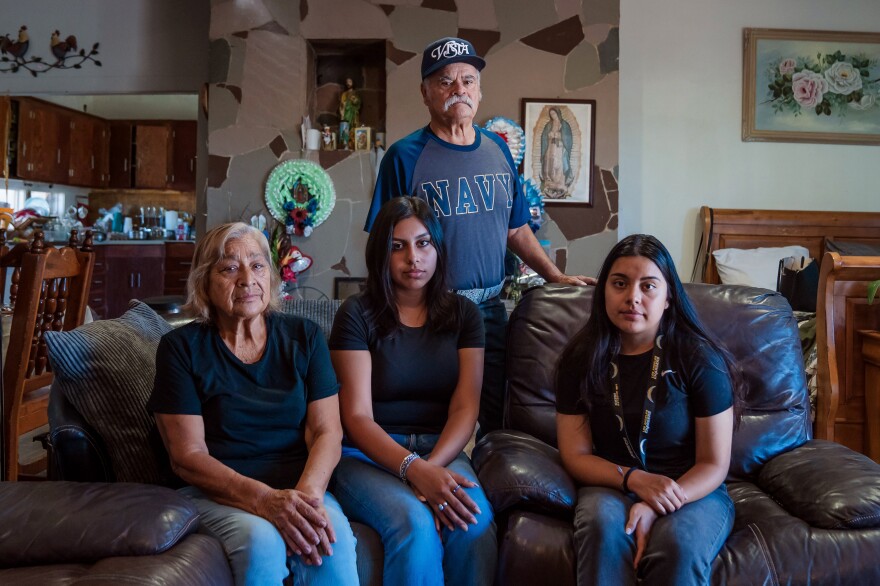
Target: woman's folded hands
441, 490
302, 521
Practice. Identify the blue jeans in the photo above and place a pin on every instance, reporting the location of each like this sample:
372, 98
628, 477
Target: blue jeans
415, 554
257, 553
492, 395
680, 548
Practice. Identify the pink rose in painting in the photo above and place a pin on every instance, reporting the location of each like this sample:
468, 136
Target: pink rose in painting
809, 88
787, 66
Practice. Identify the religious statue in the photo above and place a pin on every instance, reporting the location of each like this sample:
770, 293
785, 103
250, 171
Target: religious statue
328, 139
350, 113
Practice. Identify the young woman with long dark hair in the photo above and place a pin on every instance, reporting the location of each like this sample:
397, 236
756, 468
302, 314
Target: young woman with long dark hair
409, 356
646, 403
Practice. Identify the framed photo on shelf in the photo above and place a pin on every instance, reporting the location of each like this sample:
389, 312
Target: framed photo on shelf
362, 138
560, 148
811, 86
345, 287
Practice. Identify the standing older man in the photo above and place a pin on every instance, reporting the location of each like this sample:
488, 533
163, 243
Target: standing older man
470, 180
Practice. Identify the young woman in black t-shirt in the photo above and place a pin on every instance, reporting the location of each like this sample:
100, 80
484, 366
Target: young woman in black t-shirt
409, 356
645, 417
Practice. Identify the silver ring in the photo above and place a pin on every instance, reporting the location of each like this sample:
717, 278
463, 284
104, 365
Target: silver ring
442, 506
455, 489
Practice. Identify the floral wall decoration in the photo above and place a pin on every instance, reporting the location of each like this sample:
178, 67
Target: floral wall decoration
811, 86
512, 133
300, 195
66, 53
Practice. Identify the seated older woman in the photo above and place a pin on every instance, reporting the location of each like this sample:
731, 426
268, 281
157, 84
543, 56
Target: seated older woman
246, 401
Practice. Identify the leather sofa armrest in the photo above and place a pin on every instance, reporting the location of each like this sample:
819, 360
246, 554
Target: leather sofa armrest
62, 522
78, 451
517, 469
826, 485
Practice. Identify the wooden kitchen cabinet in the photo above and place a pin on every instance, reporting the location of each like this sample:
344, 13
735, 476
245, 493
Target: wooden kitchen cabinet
132, 272
136, 271
101, 161
121, 133
152, 155
89, 151
184, 140
54, 144
178, 264
43, 142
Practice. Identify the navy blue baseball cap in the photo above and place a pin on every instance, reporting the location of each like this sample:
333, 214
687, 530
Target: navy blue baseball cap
448, 50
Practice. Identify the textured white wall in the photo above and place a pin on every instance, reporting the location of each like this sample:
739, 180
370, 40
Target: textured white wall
680, 120
146, 46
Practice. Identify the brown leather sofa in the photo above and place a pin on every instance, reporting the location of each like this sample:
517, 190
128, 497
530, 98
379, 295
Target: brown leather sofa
78, 454
807, 511
80, 460
116, 533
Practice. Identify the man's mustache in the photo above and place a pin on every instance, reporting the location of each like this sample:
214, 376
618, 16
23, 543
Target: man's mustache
457, 99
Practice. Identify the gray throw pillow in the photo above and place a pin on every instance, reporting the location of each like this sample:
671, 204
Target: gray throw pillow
320, 311
106, 370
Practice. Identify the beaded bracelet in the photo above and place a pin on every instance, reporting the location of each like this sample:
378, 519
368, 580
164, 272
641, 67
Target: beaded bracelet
404, 466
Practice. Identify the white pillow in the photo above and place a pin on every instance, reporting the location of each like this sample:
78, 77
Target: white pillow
756, 267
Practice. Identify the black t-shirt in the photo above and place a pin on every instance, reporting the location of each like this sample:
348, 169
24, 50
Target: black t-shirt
697, 385
415, 372
254, 414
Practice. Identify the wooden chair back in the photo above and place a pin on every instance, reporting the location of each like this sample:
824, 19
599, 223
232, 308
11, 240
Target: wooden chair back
842, 315
49, 291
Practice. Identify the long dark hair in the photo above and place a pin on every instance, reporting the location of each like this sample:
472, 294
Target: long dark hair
589, 353
382, 298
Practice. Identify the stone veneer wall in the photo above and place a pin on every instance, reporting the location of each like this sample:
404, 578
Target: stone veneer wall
260, 64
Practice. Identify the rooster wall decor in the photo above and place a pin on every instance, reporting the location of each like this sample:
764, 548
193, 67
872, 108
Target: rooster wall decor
66, 52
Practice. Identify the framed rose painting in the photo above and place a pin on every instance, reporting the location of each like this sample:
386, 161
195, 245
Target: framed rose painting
560, 137
811, 86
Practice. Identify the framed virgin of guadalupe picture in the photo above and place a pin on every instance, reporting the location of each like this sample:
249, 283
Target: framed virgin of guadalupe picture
560, 146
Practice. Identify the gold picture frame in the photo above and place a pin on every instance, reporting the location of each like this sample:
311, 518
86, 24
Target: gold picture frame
362, 136
811, 86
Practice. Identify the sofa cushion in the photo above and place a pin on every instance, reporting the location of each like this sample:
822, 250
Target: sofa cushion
106, 370
60, 522
517, 469
849, 498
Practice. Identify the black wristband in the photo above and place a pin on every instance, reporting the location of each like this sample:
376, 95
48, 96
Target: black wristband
626, 478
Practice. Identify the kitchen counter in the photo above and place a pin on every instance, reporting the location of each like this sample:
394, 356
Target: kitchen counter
125, 242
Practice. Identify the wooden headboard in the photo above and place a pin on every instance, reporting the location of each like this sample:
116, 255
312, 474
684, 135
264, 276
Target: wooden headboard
842, 309
729, 228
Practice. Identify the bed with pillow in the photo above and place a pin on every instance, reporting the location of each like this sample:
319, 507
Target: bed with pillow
741, 246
